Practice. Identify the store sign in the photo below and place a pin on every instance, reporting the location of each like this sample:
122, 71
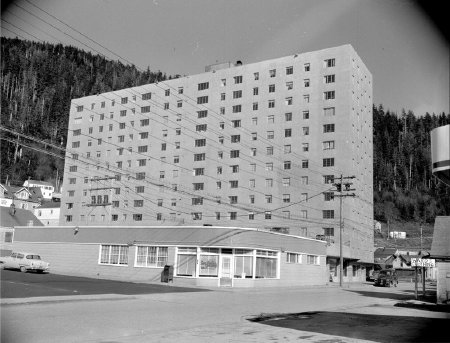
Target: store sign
423, 262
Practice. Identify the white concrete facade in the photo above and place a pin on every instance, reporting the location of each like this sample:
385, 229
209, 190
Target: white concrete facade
254, 145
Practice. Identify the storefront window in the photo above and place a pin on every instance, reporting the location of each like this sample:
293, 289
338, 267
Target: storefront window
151, 256
266, 264
186, 261
209, 262
243, 263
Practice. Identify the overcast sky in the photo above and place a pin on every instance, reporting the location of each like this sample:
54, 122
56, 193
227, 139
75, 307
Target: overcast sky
399, 43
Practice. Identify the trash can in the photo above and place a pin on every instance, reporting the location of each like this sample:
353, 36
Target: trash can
167, 273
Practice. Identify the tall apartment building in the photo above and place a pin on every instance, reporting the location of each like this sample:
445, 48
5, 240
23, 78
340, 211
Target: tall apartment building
247, 145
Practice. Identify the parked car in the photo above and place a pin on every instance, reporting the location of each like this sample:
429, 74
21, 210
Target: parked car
387, 277
24, 262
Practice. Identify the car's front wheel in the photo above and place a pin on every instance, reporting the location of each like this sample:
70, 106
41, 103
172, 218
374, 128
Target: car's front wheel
23, 269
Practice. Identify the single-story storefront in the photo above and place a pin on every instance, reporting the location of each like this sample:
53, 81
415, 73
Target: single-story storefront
197, 255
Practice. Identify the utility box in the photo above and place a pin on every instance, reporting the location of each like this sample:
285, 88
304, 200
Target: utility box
167, 273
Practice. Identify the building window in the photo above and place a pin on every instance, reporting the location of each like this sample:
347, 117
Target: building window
139, 189
312, 259
203, 86
305, 131
199, 171
267, 215
197, 201
196, 215
236, 123
305, 114
329, 78
235, 168
269, 166
252, 183
147, 256
328, 162
137, 217
293, 258
328, 111
234, 184
222, 96
269, 150
289, 70
200, 142
328, 179
328, 196
305, 163
266, 264
306, 98
201, 127
140, 176
306, 67
288, 116
237, 79
328, 145
146, 96
328, 95
330, 63
138, 203
269, 184
305, 147
180, 90
199, 157
270, 135
287, 165
271, 103
234, 153
255, 90
237, 108
237, 94
271, 88
186, 261
306, 82
255, 106
287, 133
143, 135
328, 128
145, 109
286, 198
328, 214
202, 99
304, 180
288, 101
114, 254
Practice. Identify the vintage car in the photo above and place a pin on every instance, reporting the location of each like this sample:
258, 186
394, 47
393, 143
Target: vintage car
386, 277
24, 262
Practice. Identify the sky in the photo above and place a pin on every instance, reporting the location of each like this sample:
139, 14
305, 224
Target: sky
398, 40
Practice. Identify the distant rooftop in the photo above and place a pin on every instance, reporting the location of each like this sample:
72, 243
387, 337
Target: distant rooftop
20, 217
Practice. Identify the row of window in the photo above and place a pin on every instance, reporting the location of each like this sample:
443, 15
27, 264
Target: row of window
326, 214
328, 63
204, 262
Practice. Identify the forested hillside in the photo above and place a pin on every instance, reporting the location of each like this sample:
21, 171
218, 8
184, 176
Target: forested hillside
38, 81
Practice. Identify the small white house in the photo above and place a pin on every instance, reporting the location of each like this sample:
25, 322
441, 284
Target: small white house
47, 188
48, 213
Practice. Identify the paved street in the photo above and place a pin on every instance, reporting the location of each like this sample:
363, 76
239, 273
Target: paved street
353, 314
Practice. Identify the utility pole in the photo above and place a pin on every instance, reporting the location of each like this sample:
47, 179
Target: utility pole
341, 195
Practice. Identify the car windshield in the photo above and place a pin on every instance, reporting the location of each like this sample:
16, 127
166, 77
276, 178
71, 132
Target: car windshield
33, 257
